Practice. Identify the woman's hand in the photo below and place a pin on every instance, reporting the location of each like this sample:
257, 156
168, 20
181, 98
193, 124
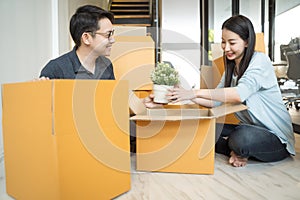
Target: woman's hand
180, 94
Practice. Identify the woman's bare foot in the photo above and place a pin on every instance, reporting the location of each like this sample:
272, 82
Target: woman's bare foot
236, 160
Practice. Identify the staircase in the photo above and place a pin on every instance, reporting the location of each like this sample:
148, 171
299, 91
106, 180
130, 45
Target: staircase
132, 12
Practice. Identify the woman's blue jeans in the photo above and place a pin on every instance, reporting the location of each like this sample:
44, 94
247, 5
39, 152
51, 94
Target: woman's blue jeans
249, 141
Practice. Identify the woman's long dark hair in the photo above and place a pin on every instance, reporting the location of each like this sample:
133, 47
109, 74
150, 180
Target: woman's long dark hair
242, 26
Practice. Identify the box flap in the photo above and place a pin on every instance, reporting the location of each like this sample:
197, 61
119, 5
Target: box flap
167, 118
162, 114
227, 109
206, 78
168, 113
211, 75
177, 112
136, 104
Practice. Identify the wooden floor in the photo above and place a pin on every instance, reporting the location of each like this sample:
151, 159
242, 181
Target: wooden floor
280, 180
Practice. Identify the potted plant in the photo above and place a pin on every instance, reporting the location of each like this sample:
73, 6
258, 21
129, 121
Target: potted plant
164, 77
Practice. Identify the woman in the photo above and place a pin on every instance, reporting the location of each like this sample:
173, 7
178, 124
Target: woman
265, 131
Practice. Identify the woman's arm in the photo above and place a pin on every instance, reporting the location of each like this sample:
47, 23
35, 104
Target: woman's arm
226, 95
203, 102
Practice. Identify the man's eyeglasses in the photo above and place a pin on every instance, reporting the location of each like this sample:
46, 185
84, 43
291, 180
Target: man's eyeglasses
108, 34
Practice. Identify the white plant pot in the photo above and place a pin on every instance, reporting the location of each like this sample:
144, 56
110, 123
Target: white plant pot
159, 92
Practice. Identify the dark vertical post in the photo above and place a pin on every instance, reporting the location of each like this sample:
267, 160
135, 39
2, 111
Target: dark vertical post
271, 28
158, 19
204, 31
263, 16
235, 7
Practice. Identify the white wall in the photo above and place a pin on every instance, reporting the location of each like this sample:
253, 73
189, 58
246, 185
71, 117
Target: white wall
26, 41
26, 38
180, 38
290, 31
222, 11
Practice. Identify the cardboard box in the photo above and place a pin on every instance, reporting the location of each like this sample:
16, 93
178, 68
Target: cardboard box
125, 30
210, 78
133, 58
177, 138
66, 139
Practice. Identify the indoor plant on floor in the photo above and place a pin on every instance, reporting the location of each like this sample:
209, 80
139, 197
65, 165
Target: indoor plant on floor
164, 77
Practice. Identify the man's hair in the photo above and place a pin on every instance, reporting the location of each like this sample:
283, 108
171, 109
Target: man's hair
86, 19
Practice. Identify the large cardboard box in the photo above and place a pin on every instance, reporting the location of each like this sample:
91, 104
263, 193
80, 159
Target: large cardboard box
66, 139
177, 138
133, 58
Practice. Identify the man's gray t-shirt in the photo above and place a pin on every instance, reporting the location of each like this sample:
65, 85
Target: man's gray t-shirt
68, 66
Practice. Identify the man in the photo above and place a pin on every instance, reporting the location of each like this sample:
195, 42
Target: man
92, 32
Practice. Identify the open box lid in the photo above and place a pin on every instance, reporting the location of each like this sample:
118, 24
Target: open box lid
226, 109
179, 113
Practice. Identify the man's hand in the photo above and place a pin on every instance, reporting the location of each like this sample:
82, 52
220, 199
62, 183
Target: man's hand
43, 78
149, 103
